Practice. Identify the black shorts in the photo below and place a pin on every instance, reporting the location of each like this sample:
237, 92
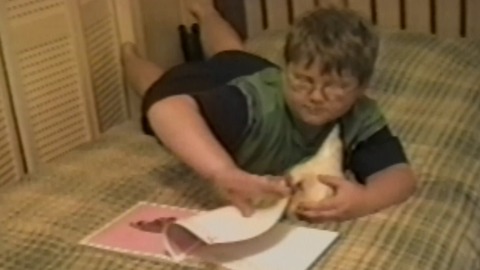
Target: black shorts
205, 81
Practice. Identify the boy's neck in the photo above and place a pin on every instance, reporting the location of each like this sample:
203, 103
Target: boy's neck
309, 133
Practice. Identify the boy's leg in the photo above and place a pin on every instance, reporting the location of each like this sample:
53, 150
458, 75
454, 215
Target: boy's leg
217, 35
140, 73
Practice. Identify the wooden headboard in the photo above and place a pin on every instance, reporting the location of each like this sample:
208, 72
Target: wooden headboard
156, 21
445, 18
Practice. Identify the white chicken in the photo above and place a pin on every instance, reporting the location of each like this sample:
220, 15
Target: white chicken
304, 176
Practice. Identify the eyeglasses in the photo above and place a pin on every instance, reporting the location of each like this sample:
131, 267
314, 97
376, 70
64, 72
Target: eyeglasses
331, 89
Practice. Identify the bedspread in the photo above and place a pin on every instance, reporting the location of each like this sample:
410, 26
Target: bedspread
430, 92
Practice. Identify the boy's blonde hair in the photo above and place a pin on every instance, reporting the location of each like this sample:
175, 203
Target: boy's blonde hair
340, 39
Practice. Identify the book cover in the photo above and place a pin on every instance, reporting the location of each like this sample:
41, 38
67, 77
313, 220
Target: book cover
142, 231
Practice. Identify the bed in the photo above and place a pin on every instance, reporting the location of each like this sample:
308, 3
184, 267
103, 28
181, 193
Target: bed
430, 92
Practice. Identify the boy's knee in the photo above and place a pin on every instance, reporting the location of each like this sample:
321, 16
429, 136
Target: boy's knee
202, 8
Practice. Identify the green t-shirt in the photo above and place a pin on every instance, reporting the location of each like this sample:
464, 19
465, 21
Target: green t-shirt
272, 143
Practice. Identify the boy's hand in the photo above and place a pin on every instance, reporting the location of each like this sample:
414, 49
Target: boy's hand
244, 190
350, 200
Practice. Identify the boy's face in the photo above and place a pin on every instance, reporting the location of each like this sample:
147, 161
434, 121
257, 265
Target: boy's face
316, 98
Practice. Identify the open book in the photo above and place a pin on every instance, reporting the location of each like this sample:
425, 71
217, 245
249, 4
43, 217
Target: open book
222, 237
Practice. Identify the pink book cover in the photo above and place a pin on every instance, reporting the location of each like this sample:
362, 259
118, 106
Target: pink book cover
139, 231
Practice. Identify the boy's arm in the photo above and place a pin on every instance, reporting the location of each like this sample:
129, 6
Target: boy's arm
181, 125
379, 160
177, 122
390, 186
381, 163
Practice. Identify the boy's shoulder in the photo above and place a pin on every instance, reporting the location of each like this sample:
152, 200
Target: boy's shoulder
364, 106
266, 76
261, 87
362, 121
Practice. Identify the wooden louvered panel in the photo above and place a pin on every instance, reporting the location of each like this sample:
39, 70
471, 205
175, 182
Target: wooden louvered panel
25, 8
102, 49
10, 163
11, 167
48, 82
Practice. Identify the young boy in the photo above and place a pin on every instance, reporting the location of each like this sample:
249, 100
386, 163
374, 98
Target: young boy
241, 122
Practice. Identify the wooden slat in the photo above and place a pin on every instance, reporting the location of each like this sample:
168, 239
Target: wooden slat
417, 15
336, 3
448, 18
44, 52
388, 14
473, 18
253, 14
277, 14
301, 6
363, 7
98, 24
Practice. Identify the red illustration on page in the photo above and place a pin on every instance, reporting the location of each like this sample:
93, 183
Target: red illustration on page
140, 231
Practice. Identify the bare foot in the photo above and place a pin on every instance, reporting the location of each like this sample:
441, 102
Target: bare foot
201, 8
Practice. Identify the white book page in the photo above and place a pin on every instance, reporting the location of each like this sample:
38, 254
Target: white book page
227, 224
281, 248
